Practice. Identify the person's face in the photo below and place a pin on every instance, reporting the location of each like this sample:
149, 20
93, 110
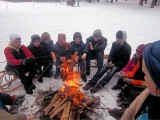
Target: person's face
119, 41
17, 43
96, 38
61, 42
77, 40
46, 41
36, 43
149, 82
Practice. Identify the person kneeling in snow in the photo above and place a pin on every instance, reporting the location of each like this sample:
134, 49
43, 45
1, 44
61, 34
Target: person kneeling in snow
118, 58
77, 45
20, 60
6, 99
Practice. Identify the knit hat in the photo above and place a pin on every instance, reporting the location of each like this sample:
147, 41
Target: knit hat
77, 34
97, 32
152, 61
14, 37
61, 36
140, 48
35, 37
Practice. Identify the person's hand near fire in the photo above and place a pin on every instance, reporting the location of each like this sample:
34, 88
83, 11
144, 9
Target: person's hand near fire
91, 46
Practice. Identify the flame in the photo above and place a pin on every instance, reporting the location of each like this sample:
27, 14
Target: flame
71, 86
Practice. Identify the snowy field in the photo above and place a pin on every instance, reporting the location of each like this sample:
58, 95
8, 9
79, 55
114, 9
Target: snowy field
141, 23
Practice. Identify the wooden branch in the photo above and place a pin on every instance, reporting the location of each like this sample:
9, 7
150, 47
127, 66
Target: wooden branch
49, 107
58, 110
57, 105
71, 115
66, 111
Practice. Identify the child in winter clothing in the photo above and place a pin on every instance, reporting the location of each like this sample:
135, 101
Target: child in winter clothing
61, 49
132, 73
147, 103
48, 46
77, 45
118, 58
95, 46
38, 50
131, 82
20, 60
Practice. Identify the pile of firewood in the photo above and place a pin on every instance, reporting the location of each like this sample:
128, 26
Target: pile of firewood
63, 108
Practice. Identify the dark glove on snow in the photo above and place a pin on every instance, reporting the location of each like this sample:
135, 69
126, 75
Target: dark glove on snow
19, 99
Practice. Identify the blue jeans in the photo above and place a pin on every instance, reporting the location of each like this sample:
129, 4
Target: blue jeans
98, 55
101, 72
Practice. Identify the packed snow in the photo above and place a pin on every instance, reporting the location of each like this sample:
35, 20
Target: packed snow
141, 23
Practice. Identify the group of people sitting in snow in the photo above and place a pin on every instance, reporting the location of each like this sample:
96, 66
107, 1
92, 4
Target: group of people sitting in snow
138, 77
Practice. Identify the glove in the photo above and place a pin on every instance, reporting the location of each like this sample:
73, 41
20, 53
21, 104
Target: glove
29, 60
127, 80
18, 100
84, 56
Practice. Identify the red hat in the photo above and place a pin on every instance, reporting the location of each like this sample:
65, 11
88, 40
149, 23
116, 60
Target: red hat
140, 48
61, 36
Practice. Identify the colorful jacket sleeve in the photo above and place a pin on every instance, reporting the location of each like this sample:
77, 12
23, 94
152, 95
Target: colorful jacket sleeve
10, 58
138, 82
132, 73
129, 66
27, 52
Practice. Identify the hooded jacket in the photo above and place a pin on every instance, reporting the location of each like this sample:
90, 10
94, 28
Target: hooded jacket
97, 46
77, 48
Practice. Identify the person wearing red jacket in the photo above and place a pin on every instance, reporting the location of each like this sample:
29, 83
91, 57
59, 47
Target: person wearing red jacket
20, 60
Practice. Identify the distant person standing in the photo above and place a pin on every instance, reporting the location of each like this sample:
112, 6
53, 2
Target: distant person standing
95, 46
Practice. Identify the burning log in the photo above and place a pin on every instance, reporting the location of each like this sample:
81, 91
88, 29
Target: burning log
66, 111
49, 107
58, 110
57, 105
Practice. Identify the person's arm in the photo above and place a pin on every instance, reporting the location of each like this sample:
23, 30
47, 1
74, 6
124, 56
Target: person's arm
130, 112
132, 73
112, 52
11, 60
102, 46
27, 52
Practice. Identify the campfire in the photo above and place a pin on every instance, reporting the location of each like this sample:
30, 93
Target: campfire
68, 103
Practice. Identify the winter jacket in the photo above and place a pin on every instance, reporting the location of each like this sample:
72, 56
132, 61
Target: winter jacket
77, 48
130, 65
120, 55
14, 57
97, 46
61, 51
38, 52
136, 74
6, 99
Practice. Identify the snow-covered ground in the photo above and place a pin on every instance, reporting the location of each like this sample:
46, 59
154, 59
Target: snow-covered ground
141, 23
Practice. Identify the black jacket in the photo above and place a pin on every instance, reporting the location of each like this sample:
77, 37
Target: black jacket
77, 48
38, 52
120, 55
98, 46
